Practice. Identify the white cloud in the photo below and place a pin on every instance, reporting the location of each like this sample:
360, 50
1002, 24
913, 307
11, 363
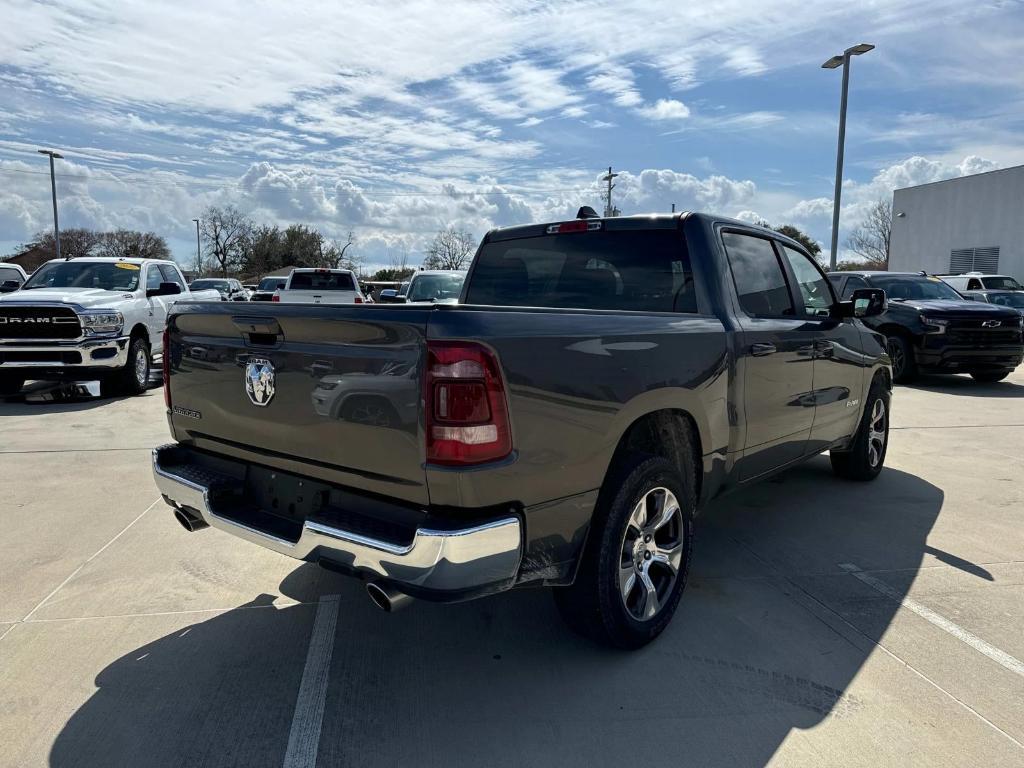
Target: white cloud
618, 82
665, 109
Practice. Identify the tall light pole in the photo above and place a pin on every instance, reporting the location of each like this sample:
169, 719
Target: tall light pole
842, 60
53, 191
199, 258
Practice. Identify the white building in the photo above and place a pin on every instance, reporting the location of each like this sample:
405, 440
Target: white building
968, 224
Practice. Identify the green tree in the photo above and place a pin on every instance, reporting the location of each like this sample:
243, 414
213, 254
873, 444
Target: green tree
75, 242
801, 237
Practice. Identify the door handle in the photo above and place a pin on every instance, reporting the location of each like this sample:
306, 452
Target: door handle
824, 348
760, 350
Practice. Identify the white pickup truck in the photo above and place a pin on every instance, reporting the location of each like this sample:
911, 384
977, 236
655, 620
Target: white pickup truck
320, 286
90, 318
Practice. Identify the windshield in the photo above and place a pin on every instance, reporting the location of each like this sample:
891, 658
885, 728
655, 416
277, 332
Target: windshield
914, 287
1015, 299
206, 285
1001, 283
119, 276
270, 284
437, 287
323, 281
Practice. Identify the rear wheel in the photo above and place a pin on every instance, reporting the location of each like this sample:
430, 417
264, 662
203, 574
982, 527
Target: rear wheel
10, 385
904, 367
989, 376
637, 557
866, 456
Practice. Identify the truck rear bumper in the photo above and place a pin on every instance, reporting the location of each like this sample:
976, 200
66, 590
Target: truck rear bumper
439, 564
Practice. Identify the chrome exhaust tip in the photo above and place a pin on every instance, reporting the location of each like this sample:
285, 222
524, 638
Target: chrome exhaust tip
388, 599
189, 522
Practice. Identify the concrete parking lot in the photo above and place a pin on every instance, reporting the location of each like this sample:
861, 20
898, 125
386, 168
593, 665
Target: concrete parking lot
825, 623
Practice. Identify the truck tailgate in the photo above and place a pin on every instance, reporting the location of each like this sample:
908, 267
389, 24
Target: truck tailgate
328, 391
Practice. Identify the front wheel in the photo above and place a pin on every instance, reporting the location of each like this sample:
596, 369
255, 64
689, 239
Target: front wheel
901, 353
133, 379
637, 557
866, 456
989, 376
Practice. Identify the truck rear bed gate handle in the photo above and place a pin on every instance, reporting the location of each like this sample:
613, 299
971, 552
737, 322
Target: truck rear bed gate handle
259, 330
760, 350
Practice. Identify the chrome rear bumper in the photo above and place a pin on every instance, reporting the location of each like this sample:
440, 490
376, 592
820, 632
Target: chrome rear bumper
450, 560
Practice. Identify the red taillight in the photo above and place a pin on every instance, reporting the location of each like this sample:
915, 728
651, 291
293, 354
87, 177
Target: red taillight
167, 367
359, 299
466, 408
276, 297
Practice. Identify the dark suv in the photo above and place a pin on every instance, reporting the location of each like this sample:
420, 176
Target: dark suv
930, 328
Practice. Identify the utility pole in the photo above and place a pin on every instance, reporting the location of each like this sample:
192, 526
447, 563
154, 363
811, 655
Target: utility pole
841, 60
199, 256
609, 209
53, 192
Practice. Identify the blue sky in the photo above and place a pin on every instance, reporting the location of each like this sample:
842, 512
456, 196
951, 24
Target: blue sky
393, 120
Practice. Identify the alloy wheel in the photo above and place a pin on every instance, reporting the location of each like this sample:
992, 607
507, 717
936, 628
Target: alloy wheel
876, 432
141, 367
895, 350
651, 553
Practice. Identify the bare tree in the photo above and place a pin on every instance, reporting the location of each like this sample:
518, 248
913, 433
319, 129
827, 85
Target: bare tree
870, 239
225, 230
75, 242
450, 249
334, 254
125, 243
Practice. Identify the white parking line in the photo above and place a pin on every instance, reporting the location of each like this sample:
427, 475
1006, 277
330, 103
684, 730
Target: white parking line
304, 737
78, 570
1000, 657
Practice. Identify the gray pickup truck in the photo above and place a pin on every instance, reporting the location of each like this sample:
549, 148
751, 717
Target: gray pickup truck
600, 381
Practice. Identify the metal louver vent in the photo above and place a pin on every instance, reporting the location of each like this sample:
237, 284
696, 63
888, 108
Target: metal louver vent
985, 260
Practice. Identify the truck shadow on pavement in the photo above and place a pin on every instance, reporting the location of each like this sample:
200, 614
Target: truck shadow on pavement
769, 635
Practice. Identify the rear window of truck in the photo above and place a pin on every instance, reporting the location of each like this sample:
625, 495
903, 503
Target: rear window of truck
322, 281
639, 270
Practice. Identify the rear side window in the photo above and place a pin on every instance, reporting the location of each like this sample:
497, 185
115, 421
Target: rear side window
760, 281
639, 270
323, 281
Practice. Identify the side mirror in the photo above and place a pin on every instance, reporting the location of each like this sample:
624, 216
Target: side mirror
7, 286
869, 302
165, 289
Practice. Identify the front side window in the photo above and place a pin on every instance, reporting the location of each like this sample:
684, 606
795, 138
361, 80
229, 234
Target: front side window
1000, 283
760, 280
171, 275
814, 288
8, 273
153, 277
852, 284
638, 270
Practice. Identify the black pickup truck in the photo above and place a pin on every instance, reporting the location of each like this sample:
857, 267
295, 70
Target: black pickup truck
601, 380
930, 328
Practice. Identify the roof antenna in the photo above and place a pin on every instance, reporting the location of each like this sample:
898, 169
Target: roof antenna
586, 212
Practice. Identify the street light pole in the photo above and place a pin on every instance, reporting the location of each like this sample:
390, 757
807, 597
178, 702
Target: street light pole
844, 61
53, 192
199, 258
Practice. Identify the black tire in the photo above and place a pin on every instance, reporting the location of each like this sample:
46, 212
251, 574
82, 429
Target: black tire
901, 352
133, 379
594, 604
11, 385
865, 459
989, 376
